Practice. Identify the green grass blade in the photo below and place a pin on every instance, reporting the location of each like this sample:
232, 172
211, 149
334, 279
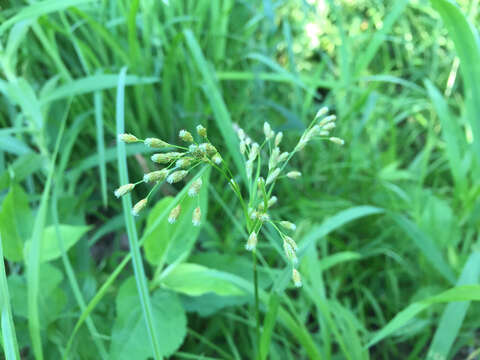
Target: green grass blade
33, 256
367, 56
10, 345
222, 116
454, 314
467, 43
73, 280
40, 8
98, 104
426, 246
269, 324
459, 293
335, 222
138, 269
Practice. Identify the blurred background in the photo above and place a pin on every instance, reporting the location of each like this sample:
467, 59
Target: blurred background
386, 223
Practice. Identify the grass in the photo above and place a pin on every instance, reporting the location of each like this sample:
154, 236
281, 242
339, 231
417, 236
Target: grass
387, 226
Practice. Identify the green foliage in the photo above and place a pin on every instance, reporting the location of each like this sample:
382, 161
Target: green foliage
387, 226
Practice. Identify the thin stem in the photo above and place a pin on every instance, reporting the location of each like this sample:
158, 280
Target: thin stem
257, 311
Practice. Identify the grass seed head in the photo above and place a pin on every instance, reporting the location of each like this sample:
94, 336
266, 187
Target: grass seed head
124, 189
165, 158
288, 225
156, 143
196, 217
159, 175
274, 174
185, 136
195, 187
173, 216
290, 252
139, 206
291, 242
278, 138
201, 131
184, 162
217, 159
127, 138
327, 120
294, 174
321, 112
337, 140
267, 130
251, 242
297, 279
176, 176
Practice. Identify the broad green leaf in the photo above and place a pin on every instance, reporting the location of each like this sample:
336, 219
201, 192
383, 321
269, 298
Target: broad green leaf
459, 293
51, 299
195, 280
159, 234
167, 242
15, 223
454, 314
50, 249
129, 334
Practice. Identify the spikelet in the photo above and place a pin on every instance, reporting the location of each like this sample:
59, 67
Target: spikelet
243, 147
294, 174
283, 156
251, 242
289, 252
291, 242
195, 187
321, 112
184, 162
263, 217
329, 126
253, 152
173, 216
273, 161
249, 168
124, 189
267, 130
217, 159
278, 138
165, 158
139, 206
201, 131
176, 176
156, 143
185, 136
127, 138
327, 120
297, 279
271, 178
159, 175
288, 225
337, 140
272, 201
196, 217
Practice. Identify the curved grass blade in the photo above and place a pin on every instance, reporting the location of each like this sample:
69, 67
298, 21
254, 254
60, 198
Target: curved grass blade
467, 44
10, 344
98, 103
138, 270
454, 313
459, 293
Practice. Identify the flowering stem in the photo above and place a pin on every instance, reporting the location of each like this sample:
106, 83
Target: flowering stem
255, 284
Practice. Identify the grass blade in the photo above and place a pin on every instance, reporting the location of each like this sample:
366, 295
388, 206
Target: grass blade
454, 314
138, 269
222, 116
269, 324
33, 255
459, 293
467, 43
10, 345
98, 103
426, 246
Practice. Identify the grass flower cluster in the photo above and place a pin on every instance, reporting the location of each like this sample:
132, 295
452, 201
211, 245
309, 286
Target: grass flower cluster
265, 164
